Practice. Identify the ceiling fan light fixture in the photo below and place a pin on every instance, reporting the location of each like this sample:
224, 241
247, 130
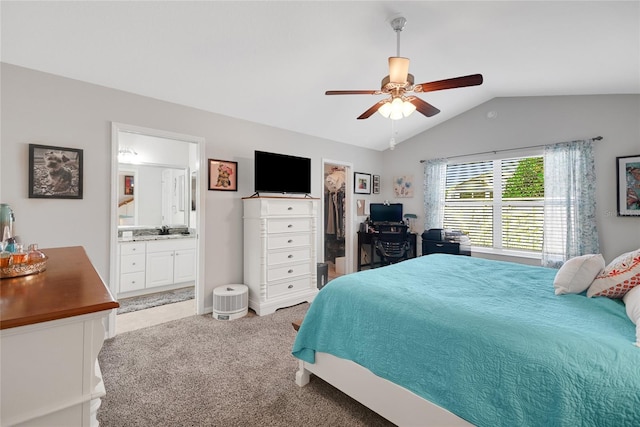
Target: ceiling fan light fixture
396, 109
398, 69
408, 108
385, 109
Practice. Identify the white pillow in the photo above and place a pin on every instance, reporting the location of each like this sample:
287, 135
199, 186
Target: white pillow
576, 274
618, 277
632, 303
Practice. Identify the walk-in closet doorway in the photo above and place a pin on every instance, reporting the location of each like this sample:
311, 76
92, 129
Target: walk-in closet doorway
337, 225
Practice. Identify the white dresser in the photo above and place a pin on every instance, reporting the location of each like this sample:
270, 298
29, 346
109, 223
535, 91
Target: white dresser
279, 251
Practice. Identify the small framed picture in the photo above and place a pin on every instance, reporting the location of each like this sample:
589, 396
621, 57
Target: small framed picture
628, 183
128, 185
223, 175
55, 172
362, 183
376, 184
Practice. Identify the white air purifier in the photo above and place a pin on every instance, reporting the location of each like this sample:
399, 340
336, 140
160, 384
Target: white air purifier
230, 302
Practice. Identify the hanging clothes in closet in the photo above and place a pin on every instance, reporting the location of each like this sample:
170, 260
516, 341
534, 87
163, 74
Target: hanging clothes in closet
334, 200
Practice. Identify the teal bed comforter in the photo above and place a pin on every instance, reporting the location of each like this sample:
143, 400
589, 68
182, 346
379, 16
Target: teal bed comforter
487, 340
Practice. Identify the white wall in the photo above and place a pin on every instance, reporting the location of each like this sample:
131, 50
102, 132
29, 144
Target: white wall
528, 121
51, 110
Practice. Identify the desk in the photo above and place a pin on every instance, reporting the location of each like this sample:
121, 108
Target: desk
368, 239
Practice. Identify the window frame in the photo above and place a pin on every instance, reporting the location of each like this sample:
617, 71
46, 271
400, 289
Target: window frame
497, 203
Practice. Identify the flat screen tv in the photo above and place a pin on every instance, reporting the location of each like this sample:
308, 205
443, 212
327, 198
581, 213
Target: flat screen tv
282, 173
385, 213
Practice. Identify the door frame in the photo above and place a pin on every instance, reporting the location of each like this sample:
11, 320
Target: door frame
200, 175
349, 225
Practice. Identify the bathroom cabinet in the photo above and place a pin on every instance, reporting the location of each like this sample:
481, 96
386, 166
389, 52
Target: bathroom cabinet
145, 267
170, 262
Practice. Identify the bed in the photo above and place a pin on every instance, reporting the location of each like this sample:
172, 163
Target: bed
452, 340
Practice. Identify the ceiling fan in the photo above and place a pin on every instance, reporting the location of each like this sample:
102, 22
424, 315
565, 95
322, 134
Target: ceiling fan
399, 82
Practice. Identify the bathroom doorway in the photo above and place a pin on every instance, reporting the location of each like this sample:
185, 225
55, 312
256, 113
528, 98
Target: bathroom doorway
337, 230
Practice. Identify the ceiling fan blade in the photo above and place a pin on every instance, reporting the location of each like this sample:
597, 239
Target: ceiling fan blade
423, 106
464, 81
398, 69
353, 92
371, 110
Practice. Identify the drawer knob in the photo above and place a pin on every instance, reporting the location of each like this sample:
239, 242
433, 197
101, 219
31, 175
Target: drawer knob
290, 241
290, 286
290, 225
439, 245
290, 208
133, 263
290, 271
290, 256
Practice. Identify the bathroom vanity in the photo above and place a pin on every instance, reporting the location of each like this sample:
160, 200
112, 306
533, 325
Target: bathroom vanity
155, 263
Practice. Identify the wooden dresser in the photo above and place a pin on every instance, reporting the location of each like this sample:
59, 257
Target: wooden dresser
279, 251
51, 333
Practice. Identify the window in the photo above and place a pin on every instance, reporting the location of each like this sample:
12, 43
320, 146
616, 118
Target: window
498, 203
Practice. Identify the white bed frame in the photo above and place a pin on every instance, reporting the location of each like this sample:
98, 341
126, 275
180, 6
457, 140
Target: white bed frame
397, 404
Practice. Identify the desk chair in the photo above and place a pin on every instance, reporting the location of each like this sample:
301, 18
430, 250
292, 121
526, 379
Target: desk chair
392, 246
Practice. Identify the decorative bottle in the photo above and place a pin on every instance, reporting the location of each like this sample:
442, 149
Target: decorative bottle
34, 255
19, 256
5, 257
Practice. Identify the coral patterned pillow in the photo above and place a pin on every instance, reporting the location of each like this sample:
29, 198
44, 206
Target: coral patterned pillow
617, 278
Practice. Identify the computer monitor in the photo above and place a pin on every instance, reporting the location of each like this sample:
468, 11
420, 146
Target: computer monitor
385, 213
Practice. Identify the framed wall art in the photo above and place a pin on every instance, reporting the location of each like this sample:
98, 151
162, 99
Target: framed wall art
628, 184
361, 183
376, 184
55, 172
403, 186
223, 175
128, 185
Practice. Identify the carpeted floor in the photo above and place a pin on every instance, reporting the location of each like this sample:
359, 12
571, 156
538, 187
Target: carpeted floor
199, 371
129, 305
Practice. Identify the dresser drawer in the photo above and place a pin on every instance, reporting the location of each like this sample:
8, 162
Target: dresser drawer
132, 263
289, 225
434, 247
287, 271
131, 282
289, 207
131, 248
289, 286
290, 241
292, 256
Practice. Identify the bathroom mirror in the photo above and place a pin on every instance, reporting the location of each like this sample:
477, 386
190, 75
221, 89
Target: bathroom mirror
153, 195
155, 181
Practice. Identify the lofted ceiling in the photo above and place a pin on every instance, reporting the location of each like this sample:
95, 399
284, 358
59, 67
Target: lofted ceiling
271, 62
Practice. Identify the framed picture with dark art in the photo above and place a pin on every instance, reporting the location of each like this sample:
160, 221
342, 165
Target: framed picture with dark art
223, 175
376, 184
628, 185
361, 183
55, 172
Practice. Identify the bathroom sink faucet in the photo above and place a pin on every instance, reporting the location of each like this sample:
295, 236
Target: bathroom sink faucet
164, 230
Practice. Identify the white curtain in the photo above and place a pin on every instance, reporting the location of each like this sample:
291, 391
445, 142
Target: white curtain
435, 179
569, 202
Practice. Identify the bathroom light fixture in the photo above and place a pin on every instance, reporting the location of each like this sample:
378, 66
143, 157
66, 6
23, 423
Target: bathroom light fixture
127, 155
127, 151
